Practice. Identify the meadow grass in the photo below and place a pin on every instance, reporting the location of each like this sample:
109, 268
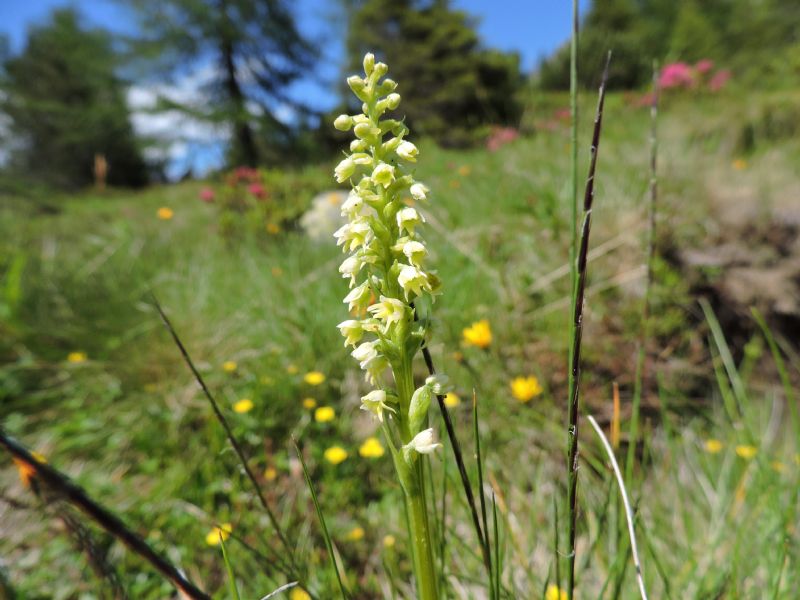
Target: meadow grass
129, 424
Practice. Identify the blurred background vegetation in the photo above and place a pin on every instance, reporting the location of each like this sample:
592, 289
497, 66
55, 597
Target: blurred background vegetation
95, 213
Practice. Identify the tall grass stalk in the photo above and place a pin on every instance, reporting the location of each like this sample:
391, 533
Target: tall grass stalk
577, 329
628, 511
648, 282
292, 570
77, 497
462, 470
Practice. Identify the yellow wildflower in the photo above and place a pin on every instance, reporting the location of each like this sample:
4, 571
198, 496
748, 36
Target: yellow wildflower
324, 414
266, 380
525, 388
270, 473
712, 446
478, 334
451, 399
273, 228
746, 452
76, 357
314, 378
309, 403
229, 366
371, 448
224, 532
277, 271
389, 541
355, 534
464, 170
555, 593
26, 471
291, 369
739, 164
242, 406
164, 213
335, 455
778, 466
298, 594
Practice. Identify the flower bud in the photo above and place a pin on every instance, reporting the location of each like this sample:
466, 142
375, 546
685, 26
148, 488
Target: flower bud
439, 384
387, 87
392, 100
343, 122
358, 146
380, 70
359, 87
418, 408
369, 63
364, 130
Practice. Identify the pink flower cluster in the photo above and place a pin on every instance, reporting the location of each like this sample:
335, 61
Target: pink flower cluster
680, 75
500, 136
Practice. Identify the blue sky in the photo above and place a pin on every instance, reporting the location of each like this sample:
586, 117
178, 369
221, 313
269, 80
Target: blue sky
531, 27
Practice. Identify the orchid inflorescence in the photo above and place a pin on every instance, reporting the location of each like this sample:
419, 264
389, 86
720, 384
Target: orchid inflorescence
386, 255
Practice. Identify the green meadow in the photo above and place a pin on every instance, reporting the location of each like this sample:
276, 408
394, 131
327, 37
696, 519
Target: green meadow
91, 379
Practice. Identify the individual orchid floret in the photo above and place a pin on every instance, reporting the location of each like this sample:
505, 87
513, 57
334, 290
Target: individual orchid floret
351, 207
419, 191
352, 331
353, 235
423, 443
407, 151
408, 218
375, 402
412, 280
358, 298
383, 175
350, 268
389, 310
415, 252
344, 170
439, 384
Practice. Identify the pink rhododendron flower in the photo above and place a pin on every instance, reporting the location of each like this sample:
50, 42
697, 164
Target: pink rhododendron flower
501, 136
257, 190
719, 80
207, 194
704, 66
676, 75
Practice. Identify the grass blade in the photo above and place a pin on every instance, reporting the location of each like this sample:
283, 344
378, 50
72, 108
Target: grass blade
628, 511
283, 588
781, 367
320, 516
641, 354
229, 568
76, 496
577, 329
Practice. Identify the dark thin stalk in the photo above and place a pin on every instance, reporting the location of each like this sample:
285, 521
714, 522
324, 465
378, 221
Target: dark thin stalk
462, 470
479, 459
228, 432
77, 496
648, 282
577, 323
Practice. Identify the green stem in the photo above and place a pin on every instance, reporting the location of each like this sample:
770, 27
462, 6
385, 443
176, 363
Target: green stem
424, 566
412, 478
